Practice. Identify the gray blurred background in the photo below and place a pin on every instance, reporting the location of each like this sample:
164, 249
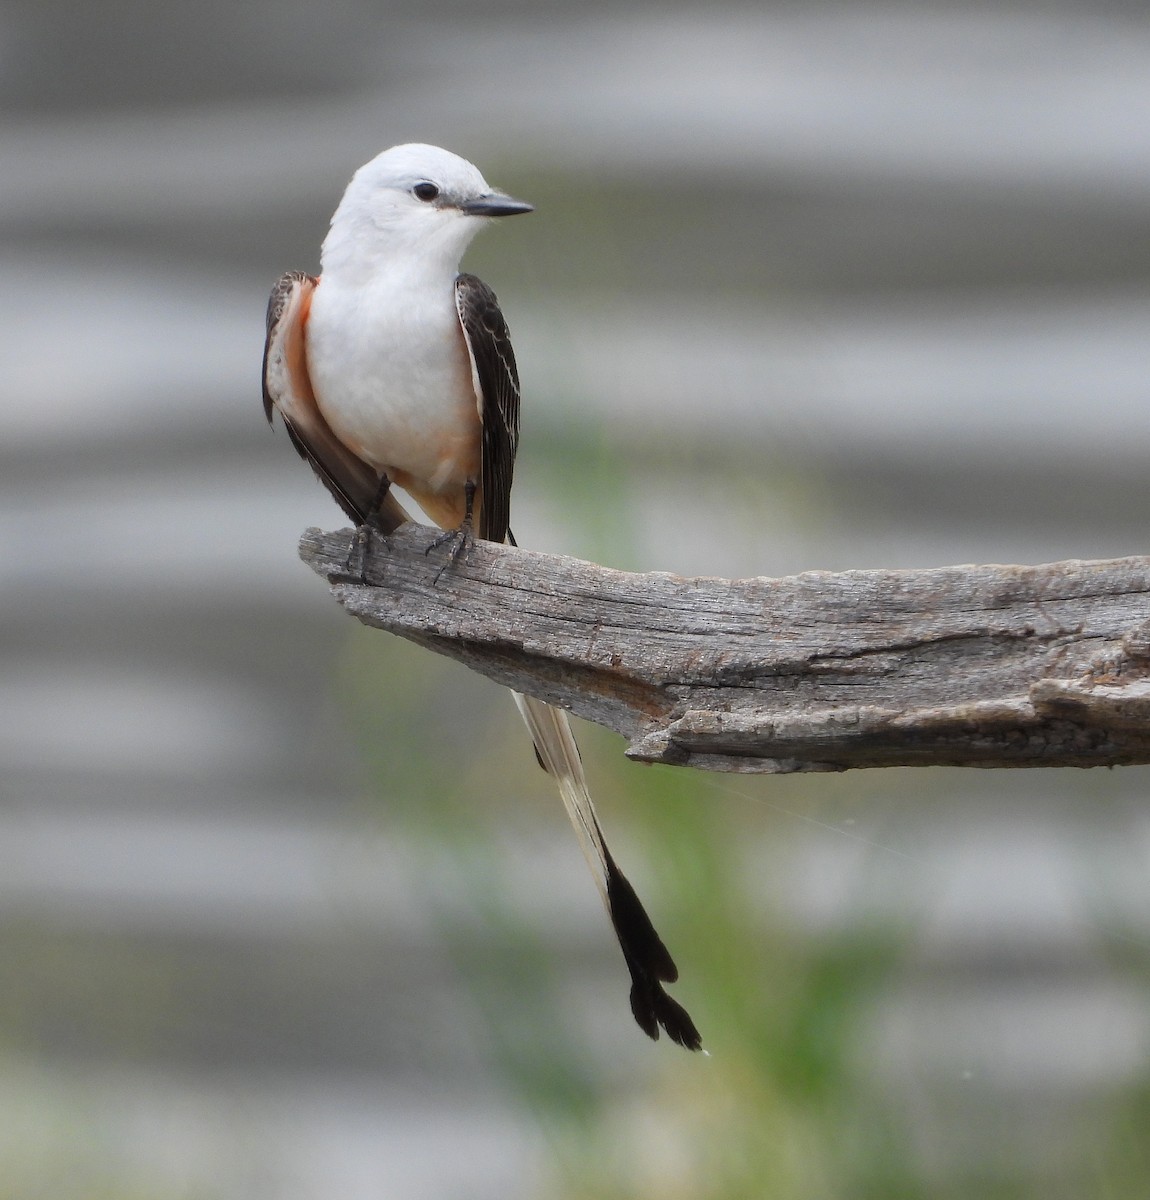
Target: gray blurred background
286, 910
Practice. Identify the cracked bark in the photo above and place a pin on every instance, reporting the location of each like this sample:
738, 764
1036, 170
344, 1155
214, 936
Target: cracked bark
982, 666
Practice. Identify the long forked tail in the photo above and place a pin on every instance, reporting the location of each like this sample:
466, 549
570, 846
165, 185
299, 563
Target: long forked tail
647, 958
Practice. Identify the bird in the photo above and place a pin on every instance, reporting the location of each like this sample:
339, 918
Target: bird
393, 368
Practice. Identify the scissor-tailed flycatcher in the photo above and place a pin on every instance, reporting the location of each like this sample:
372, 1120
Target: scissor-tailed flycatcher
392, 368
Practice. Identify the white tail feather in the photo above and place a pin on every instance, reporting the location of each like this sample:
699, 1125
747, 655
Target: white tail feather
551, 732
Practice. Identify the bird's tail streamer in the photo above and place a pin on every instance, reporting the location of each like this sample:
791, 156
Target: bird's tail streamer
648, 960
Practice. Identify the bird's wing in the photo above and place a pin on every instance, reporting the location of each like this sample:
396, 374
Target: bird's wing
496, 382
287, 389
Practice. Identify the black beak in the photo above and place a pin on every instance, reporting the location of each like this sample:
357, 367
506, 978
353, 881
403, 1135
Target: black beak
495, 204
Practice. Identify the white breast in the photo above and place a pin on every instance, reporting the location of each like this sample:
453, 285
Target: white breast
391, 376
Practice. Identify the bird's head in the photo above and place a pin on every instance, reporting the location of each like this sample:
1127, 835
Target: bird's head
415, 199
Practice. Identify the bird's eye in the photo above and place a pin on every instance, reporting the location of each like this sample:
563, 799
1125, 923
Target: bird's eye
425, 191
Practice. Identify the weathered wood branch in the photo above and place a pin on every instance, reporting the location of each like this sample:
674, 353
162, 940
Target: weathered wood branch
979, 666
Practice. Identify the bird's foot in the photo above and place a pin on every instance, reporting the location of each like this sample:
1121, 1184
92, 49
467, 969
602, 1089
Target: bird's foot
359, 552
459, 539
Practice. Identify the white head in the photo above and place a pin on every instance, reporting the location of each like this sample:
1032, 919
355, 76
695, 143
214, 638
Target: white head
412, 200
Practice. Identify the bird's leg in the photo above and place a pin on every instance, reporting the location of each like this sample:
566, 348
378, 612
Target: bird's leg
371, 517
359, 552
462, 535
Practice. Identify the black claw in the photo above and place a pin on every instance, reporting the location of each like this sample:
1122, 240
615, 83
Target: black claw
459, 539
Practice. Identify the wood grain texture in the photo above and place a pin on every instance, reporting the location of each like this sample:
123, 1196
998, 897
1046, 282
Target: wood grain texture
978, 666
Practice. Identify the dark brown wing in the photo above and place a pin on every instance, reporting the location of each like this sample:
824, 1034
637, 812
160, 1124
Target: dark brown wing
497, 384
288, 390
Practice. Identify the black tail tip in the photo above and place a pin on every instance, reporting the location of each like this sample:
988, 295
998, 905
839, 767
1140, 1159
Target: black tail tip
653, 1009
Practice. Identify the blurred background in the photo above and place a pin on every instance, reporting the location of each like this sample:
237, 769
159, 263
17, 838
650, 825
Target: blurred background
286, 908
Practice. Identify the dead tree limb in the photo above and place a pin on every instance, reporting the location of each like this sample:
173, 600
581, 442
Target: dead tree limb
977, 666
